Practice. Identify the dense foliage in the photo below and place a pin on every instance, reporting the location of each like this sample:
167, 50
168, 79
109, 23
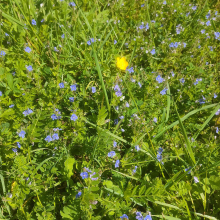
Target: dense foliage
109, 109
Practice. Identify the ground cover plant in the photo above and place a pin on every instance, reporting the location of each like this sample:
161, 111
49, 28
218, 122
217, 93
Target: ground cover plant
109, 109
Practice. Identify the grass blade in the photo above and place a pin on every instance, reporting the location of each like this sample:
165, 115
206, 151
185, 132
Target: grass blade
168, 102
188, 146
207, 121
183, 118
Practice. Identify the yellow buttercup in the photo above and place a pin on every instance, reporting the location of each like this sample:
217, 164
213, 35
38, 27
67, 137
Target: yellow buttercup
122, 63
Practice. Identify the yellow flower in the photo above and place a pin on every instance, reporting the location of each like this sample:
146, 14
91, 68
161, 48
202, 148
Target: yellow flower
122, 63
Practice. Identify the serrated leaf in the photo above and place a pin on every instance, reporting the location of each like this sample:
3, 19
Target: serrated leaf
102, 116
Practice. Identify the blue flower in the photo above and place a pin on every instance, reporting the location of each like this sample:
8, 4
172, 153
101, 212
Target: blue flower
159, 157
211, 48
139, 216
87, 169
55, 49
71, 99
137, 147
121, 117
78, 194
208, 23
173, 74
117, 163
202, 31
208, 16
171, 45
187, 14
127, 105
42, 21
63, 35
199, 46
175, 45
163, 92
141, 27
182, 80
84, 175
142, 5
188, 169
22, 134
215, 96
117, 91
91, 176
139, 84
33, 22
72, 4
6, 34
148, 217
123, 130
61, 85
93, 89
2, 53
18, 144
217, 130
89, 42
11, 106
184, 45
57, 129
155, 119
124, 216
92, 40
73, 87
27, 112
117, 108
111, 154
201, 101
164, 2
216, 12
147, 26
178, 29
54, 117
160, 150
27, 49
130, 70
55, 137
153, 52
15, 150
159, 79
135, 169
48, 139
218, 112
217, 35
114, 144
116, 121
74, 117
29, 68
194, 8
115, 41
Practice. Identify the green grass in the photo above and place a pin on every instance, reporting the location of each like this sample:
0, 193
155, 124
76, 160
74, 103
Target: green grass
160, 141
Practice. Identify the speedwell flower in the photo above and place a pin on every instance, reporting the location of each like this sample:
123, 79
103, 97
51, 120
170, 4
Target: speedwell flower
122, 63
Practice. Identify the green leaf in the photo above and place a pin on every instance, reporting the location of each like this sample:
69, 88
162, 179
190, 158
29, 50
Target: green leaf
102, 116
9, 78
215, 182
69, 166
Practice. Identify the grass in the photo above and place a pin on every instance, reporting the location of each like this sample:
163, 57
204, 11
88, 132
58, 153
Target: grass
162, 133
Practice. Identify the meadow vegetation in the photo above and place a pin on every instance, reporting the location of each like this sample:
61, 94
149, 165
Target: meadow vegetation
109, 109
